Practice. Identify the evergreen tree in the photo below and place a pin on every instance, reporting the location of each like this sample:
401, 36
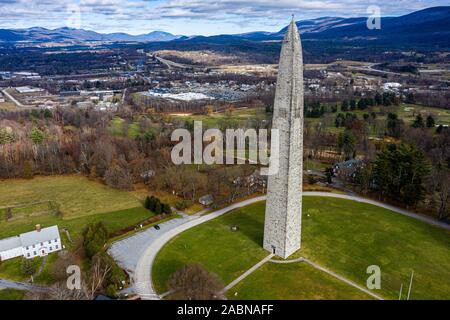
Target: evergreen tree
430, 121
378, 99
27, 267
339, 121
400, 172
394, 125
166, 208
418, 122
347, 143
95, 236
158, 207
147, 203
37, 136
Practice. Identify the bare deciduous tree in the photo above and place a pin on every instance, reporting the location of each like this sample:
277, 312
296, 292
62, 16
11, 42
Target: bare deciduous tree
193, 282
100, 270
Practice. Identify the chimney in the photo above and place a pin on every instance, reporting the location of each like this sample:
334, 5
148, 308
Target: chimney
38, 228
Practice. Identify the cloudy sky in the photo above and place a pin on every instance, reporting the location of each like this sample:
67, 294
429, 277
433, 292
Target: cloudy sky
188, 17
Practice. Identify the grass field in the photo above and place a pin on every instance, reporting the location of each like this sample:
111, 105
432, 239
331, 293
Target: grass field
81, 201
314, 284
341, 235
76, 195
238, 117
408, 112
117, 128
7, 106
11, 294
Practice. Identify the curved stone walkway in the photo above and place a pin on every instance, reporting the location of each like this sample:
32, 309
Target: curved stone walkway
142, 275
404, 212
287, 261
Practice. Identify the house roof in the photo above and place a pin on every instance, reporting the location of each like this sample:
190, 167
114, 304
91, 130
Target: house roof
43, 235
10, 243
206, 198
348, 163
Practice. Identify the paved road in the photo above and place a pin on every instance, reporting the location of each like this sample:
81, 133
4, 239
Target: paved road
142, 276
138, 254
127, 251
404, 212
10, 97
8, 284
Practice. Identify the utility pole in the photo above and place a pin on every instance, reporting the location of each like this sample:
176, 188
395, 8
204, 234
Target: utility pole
400, 295
410, 285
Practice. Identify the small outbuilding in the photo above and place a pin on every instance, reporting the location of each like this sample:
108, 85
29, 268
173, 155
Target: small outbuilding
206, 200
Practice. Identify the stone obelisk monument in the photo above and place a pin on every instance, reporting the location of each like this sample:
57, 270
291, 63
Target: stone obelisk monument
282, 227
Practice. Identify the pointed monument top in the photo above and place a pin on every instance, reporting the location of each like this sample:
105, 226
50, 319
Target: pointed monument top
292, 33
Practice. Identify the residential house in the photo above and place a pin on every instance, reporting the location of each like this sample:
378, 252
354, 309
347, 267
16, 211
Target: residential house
39, 242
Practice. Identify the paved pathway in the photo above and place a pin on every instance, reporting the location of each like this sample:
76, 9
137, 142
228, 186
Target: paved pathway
137, 253
8, 284
331, 273
247, 273
128, 251
314, 265
142, 275
404, 212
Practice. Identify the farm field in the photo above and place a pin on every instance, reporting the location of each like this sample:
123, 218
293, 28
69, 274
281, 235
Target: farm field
76, 196
238, 117
117, 128
80, 200
341, 235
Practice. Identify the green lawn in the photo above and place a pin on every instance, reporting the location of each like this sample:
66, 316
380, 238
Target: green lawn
315, 165
11, 269
238, 117
341, 235
81, 201
11, 294
314, 285
117, 128
113, 221
408, 112
76, 195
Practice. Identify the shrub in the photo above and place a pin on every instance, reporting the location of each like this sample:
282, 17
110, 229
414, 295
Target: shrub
166, 208
27, 267
183, 204
94, 238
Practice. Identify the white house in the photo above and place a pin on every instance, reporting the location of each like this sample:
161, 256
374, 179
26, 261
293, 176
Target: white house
39, 242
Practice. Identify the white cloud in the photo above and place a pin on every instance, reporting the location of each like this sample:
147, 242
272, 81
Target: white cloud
191, 16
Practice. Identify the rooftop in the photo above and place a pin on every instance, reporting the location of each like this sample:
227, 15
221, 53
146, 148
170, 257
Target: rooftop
10, 243
43, 235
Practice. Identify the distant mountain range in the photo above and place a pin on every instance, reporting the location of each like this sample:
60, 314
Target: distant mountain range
429, 26
70, 35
